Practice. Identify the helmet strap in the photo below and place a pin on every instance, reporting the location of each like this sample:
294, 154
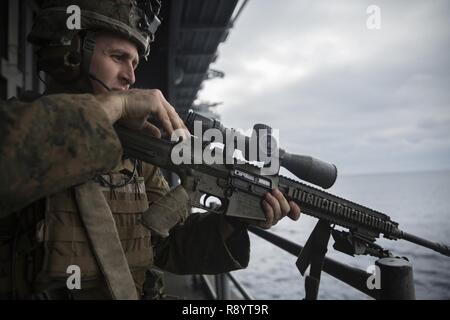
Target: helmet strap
87, 49
92, 77
88, 52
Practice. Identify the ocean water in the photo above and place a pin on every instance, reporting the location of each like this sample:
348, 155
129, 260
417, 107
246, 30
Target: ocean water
419, 202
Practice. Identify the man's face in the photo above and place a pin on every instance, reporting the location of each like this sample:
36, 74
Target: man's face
113, 62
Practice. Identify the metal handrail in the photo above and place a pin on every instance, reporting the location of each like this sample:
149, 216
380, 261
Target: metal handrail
212, 293
216, 292
239, 287
354, 277
397, 284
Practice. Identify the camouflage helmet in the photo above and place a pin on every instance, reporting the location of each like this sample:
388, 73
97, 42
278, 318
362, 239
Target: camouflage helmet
136, 20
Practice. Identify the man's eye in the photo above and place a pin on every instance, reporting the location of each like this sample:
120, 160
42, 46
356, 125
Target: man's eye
117, 57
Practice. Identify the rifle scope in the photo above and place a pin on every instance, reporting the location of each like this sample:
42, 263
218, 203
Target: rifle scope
307, 168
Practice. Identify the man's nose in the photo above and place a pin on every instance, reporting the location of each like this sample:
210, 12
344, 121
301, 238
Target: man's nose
127, 74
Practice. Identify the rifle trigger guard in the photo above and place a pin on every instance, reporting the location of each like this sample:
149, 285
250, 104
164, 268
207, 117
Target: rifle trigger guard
213, 207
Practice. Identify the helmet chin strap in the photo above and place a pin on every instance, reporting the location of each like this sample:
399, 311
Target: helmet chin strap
88, 48
92, 77
99, 178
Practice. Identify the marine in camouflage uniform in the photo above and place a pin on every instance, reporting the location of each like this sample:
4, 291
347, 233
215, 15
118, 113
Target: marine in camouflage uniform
61, 162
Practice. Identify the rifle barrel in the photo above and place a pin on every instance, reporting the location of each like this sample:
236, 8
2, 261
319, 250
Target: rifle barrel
438, 247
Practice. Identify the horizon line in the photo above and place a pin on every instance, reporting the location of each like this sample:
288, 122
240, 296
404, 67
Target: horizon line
394, 172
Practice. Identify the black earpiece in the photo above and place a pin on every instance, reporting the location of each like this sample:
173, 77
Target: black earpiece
74, 58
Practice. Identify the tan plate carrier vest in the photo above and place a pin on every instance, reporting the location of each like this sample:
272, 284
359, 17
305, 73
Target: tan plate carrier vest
65, 238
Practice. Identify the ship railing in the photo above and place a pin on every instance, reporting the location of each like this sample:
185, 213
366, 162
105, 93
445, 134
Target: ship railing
396, 282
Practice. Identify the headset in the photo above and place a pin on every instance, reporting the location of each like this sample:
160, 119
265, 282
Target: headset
69, 63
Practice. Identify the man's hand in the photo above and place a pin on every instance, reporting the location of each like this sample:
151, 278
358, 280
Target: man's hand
133, 108
276, 207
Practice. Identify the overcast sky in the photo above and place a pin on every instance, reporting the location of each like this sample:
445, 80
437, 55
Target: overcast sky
367, 100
